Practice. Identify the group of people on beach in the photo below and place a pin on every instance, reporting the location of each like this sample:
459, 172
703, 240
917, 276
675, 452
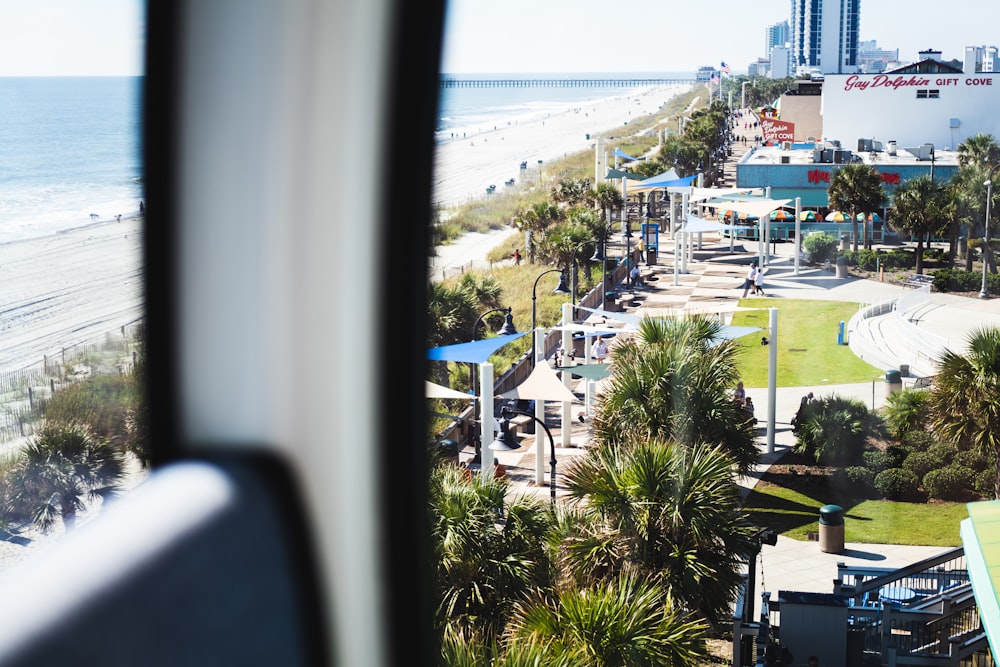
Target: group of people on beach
754, 281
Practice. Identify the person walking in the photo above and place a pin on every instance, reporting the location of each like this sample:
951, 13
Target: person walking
601, 350
749, 281
758, 282
517, 257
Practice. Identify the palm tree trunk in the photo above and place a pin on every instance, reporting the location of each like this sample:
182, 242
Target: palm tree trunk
854, 225
868, 241
920, 253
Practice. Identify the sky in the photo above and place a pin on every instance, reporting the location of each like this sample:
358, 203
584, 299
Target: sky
72, 37
485, 36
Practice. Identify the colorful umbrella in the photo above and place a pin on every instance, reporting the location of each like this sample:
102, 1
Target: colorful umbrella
724, 214
746, 217
808, 216
836, 216
780, 215
871, 217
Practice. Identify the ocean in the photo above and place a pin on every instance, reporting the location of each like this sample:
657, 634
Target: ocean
465, 112
70, 147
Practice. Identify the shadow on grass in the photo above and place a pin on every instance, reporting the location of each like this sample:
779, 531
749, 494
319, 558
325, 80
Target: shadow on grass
776, 501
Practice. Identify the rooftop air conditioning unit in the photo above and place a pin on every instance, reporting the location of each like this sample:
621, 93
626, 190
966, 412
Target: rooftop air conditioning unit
786, 145
891, 147
864, 145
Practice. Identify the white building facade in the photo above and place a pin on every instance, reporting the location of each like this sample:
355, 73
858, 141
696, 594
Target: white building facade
943, 109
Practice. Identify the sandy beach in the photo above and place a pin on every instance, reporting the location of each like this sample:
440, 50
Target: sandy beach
64, 289
465, 167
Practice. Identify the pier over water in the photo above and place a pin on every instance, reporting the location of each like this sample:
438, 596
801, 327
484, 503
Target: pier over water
561, 83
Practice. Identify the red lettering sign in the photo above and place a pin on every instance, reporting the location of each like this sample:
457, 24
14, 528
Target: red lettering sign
898, 81
777, 130
818, 176
891, 179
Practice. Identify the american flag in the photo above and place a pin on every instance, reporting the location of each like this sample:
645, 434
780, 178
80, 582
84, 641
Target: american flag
715, 78
725, 68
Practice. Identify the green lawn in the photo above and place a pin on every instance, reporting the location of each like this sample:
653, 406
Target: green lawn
795, 514
808, 354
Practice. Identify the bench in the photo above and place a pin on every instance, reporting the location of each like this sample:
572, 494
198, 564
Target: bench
626, 299
520, 424
919, 280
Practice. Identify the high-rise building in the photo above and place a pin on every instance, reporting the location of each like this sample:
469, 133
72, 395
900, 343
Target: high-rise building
981, 59
872, 59
825, 35
776, 35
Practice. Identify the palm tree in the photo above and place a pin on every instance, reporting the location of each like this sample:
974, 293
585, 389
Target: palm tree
834, 429
965, 400
623, 621
916, 206
608, 198
979, 150
489, 553
856, 188
62, 467
673, 382
534, 220
906, 411
670, 511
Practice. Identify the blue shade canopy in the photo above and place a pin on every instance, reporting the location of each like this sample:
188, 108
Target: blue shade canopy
618, 317
618, 153
476, 352
665, 182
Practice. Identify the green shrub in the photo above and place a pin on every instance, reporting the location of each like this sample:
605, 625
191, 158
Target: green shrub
878, 460
950, 483
944, 453
921, 463
985, 484
917, 441
854, 481
972, 460
897, 484
821, 247
958, 280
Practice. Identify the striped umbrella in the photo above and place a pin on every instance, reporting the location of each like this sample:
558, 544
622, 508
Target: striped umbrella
837, 216
780, 215
808, 216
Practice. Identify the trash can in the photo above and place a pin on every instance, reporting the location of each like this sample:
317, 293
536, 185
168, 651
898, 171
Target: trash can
831, 529
840, 333
904, 370
893, 381
845, 242
841, 267
650, 256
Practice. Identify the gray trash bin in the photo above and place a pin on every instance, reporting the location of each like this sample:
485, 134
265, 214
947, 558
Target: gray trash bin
841, 267
831, 529
893, 381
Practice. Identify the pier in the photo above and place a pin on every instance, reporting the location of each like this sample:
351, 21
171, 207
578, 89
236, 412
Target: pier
560, 83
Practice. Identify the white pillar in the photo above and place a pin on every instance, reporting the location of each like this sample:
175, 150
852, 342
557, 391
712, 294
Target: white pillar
798, 232
486, 418
589, 399
772, 378
539, 335
673, 217
567, 376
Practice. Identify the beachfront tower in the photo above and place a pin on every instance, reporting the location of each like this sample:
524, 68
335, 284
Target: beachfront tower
776, 35
825, 35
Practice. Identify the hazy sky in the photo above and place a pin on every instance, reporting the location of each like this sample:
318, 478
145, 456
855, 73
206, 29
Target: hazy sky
71, 37
671, 35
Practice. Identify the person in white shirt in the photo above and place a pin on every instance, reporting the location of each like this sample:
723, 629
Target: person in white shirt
749, 282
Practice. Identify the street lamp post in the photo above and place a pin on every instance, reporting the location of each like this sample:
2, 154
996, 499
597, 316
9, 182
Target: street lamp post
983, 292
600, 256
505, 442
560, 289
505, 330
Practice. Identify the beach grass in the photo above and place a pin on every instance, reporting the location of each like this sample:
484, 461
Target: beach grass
808, 353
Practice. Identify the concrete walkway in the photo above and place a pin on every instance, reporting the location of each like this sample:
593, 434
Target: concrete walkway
710, 285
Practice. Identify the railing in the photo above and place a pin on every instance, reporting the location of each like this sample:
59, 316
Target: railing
561, 83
